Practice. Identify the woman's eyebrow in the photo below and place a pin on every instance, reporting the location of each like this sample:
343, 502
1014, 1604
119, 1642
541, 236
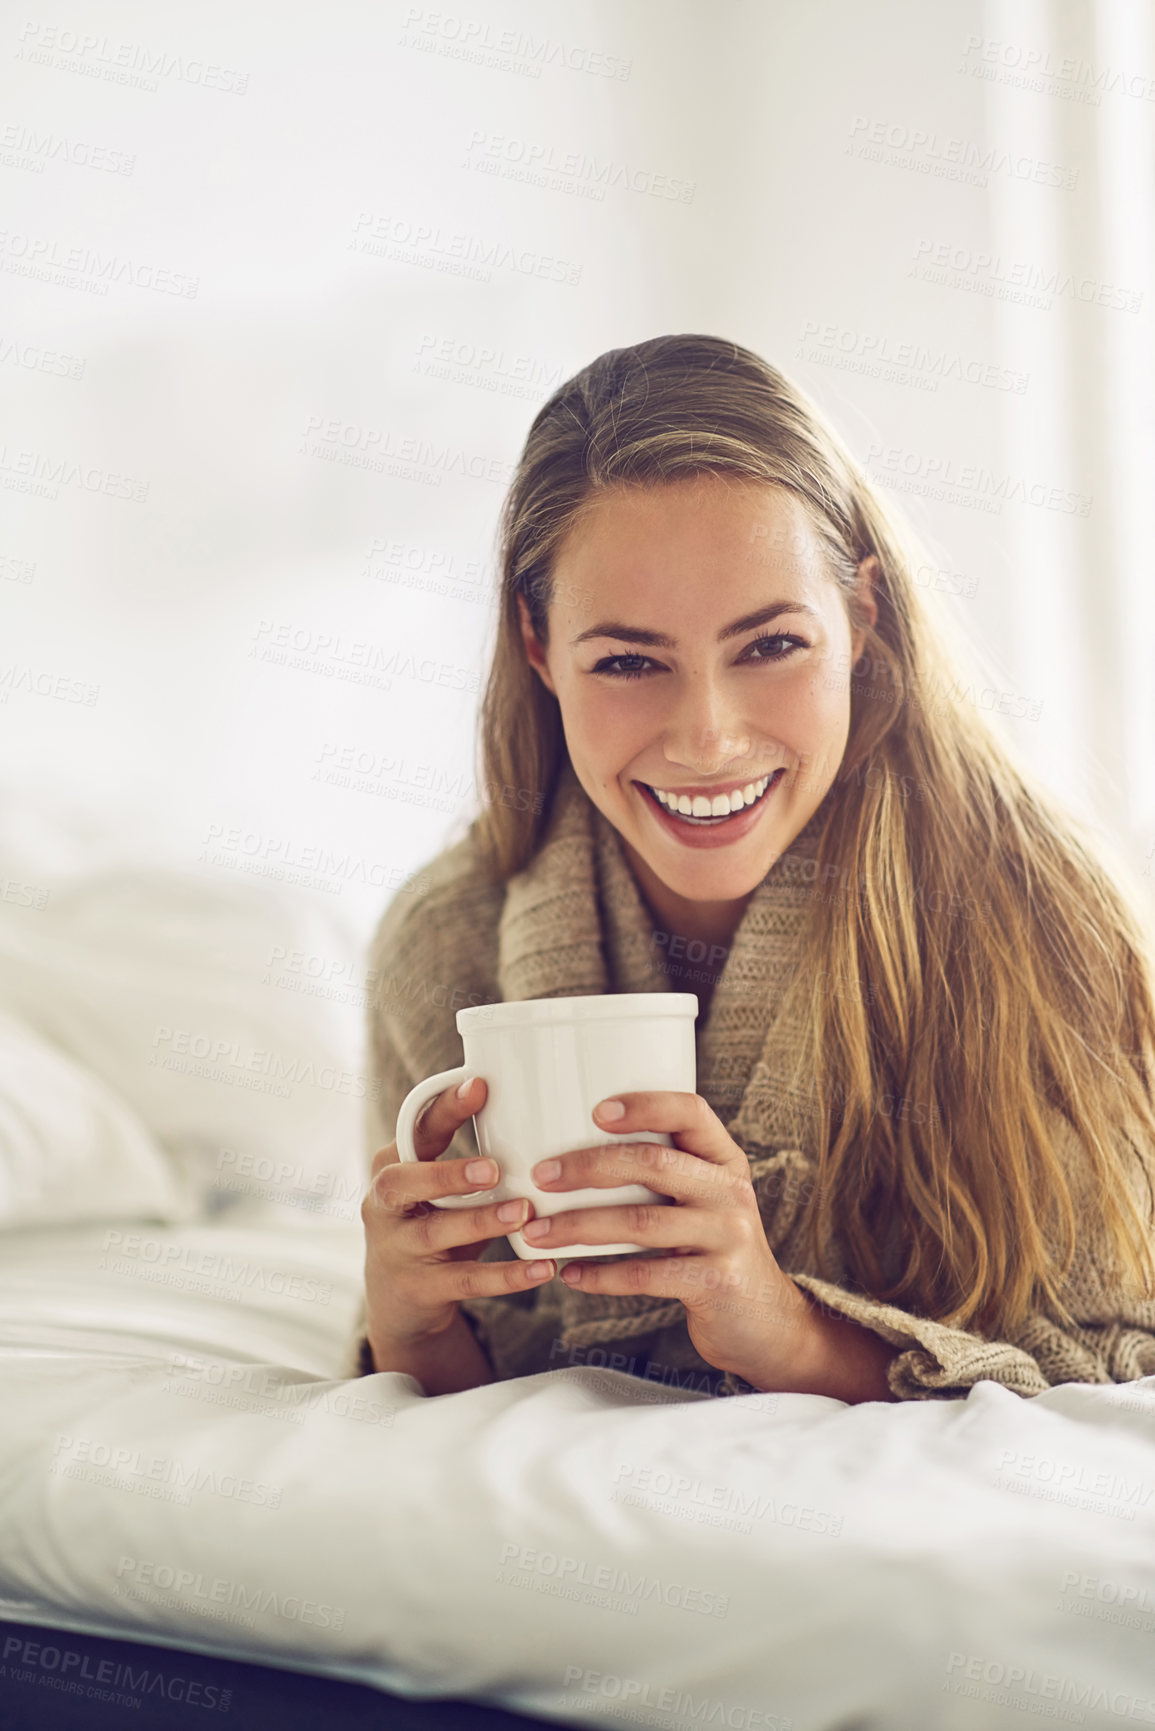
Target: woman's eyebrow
658, 639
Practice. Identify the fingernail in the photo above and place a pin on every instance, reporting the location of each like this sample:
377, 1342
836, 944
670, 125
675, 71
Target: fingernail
512, 1210
610, 1109
541, 1270
480, 1171
536, 1230
546, 1172
464, 1087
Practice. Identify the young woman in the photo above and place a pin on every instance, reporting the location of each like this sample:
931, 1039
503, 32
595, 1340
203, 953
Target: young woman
724, 752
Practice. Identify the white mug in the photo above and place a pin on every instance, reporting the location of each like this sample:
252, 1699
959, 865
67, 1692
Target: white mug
546, 1063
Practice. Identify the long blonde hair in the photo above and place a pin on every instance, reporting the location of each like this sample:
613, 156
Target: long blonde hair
1032, 995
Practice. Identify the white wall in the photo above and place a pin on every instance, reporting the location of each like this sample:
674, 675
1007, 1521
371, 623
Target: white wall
261, 188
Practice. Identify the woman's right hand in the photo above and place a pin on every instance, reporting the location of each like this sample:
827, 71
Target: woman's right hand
421, 1260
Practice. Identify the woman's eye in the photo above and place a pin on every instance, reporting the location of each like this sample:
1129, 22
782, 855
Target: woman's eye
791, 643
611, 664
781, 646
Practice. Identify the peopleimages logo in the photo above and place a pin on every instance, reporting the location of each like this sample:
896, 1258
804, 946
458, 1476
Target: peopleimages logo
23, 147
133, 1253
901, 362
715, 1505
915, 147
1010, 1685
284, 858
382, 234
1021, 281
36, 254
157, 1578
50, 473
505, 50
134, 63
1073, 1483
523, 1565
969, 483
127, 1468
572, 171
104, 1679
222, 1050
679, 1707
1028, 67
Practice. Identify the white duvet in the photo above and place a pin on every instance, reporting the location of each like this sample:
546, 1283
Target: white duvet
179, 1463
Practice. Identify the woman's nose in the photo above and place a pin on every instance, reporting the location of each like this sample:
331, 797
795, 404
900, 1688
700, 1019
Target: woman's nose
706, 732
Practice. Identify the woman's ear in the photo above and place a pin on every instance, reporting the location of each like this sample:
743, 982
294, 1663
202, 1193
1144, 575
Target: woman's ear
867, 604
534, 652
868, 573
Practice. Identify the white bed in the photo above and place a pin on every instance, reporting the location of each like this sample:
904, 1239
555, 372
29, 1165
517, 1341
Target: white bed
179, 1462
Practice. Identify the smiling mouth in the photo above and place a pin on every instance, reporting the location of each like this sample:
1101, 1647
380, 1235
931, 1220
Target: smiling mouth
711, 822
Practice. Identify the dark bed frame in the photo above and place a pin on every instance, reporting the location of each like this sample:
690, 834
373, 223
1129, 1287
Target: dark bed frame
176, 1689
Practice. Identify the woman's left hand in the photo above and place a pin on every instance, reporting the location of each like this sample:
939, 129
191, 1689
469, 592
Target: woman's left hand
743, 1314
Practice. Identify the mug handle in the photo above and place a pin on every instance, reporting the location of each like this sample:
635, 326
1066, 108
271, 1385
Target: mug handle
407, 1118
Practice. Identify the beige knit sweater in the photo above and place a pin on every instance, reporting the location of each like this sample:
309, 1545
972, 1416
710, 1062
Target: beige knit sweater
573, 922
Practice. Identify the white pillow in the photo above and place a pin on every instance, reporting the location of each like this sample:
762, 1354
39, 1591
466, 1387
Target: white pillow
227, 1015
71, 1151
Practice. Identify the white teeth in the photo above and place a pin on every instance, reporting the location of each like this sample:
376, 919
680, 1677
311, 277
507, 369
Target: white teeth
720, 806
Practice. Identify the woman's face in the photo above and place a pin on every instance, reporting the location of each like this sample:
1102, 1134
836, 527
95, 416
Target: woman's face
665, 681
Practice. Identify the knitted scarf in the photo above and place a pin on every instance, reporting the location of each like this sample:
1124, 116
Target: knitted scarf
574, 922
